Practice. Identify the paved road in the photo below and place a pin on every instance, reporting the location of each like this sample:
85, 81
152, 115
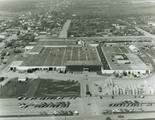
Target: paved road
145, 32
103, 117
119, 38
64, 31
86, 106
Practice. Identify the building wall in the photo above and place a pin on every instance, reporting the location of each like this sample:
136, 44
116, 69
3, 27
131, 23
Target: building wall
52, 68
127, 71
83, 67
93, 68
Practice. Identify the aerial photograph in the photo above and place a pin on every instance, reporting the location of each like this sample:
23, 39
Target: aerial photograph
77, 59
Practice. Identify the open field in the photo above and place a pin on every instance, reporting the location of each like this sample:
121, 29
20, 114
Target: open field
14, 89
49, 88
40, 88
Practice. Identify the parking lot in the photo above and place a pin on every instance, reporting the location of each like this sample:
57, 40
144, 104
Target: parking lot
41, 106
124, 87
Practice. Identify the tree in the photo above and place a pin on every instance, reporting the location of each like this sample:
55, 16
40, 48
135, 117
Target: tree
108, 118
17, 50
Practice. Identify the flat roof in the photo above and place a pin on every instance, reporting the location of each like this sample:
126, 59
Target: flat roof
62, 56
135, 63
29, 47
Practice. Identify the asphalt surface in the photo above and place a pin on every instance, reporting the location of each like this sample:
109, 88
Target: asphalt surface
64, 31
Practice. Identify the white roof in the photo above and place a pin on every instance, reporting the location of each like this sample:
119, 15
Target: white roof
22, 79
28, 47
132, 47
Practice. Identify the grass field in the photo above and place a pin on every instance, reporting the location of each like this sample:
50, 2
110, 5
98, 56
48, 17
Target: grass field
40, 88
49, 88
33, 86
14, 89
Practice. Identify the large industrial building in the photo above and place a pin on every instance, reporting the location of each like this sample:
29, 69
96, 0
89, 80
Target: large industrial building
123, 59
72, 55
60, 58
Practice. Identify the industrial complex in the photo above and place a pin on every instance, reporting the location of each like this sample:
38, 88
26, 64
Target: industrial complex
72, 60
78, 55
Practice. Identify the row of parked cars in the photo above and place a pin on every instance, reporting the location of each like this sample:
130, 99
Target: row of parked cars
126, 103
65, 113
124, 110
61, 113
46, 105
47, 98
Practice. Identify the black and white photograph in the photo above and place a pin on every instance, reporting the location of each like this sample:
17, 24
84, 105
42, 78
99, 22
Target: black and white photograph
77, 59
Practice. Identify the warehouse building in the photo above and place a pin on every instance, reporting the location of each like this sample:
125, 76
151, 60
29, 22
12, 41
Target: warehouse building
121, 60
60, 58
65, 55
